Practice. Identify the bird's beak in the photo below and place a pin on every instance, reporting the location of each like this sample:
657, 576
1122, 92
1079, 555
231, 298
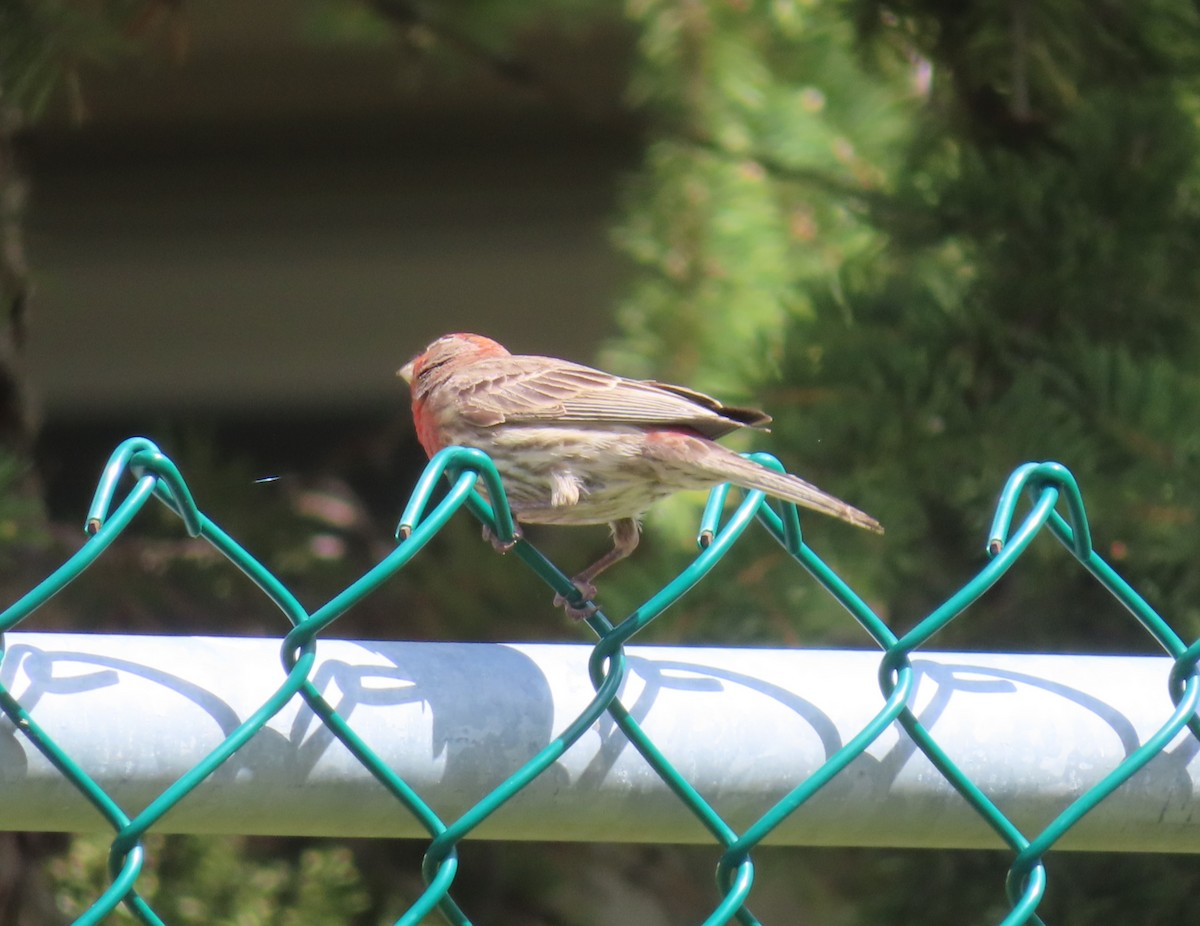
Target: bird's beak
406, 371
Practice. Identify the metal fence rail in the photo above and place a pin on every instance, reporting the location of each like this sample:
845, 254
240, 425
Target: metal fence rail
454, 719
317, 705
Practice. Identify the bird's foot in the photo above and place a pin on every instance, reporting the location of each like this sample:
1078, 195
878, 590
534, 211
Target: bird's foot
587, 591
502, 546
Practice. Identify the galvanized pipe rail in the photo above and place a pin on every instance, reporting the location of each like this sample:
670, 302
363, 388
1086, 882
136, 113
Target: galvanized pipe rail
745, 726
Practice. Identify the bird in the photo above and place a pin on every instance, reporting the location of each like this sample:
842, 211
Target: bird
575, 445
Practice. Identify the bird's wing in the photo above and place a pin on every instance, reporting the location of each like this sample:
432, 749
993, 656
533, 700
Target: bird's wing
528, 390
742, 414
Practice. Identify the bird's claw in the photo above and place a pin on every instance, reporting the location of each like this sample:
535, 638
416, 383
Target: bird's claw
502, 546
587, 591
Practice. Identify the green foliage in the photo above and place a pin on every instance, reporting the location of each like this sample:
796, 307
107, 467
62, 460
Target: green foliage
453, 37
194, 881
754, 190
950, 241
42, 41
335, 22
22, 516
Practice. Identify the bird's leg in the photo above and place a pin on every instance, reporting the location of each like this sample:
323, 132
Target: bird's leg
499, 545
626, 535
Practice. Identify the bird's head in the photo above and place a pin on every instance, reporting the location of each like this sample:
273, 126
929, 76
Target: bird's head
448, 353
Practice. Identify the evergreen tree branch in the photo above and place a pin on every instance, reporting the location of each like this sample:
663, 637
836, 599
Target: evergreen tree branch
411, 18
807, 176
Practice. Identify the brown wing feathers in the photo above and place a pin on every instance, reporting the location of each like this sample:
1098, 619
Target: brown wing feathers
538, 392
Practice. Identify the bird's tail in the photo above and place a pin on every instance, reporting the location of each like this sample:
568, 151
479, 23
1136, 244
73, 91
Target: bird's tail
750, 475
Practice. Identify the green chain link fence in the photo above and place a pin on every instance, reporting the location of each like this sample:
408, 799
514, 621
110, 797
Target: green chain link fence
1047, 484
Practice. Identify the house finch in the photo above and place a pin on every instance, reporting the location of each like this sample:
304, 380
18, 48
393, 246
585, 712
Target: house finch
575, 445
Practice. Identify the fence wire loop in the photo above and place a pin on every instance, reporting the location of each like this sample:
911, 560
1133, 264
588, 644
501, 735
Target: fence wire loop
1038, 479
117, 466
474, 483
454, 462
1184, 671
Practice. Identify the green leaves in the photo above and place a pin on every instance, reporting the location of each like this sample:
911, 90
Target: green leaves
43, 41
755, 189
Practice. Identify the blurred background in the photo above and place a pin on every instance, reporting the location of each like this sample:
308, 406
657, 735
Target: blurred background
934, 241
